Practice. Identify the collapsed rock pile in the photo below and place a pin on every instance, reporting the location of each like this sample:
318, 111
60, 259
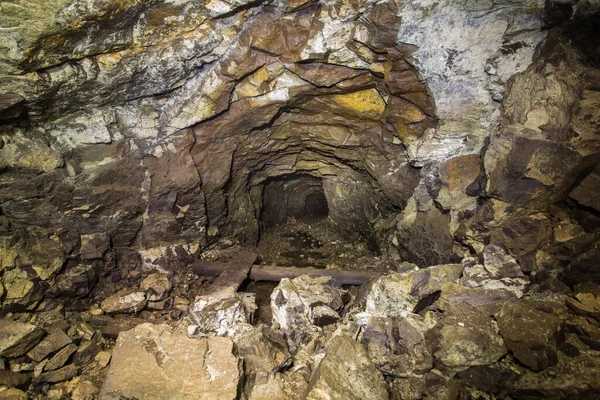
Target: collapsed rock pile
448, 331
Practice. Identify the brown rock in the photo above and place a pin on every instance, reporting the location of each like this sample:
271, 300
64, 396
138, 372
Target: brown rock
394, 294
59, 375
586, 329
346, 373
263, 349
60, 358
13, 394
489, 301
16, 338
55, 341
75, 282
397, 345
156, 286
530, 334
499, 263
125, 301
94, 245
587, 192
10, 378
175, 366
85, 352
118, 325
465, 337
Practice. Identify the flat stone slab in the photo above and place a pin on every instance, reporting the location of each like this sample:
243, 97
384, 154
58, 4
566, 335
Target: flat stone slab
16, 338
55, 341
154, 362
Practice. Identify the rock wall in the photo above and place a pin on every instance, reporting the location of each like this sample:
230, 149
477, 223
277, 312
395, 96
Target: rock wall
434, 128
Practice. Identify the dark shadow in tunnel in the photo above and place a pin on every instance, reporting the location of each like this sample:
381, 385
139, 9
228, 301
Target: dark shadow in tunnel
315, 205
300, 196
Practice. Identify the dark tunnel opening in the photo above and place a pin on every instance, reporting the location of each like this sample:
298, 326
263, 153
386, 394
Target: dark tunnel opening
298, 196
315, 205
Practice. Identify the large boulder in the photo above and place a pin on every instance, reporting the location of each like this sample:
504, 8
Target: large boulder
306, 301
224, 313
397, 294
174, 366
530, 334
346, 373
397, 345
16, 338
465, 337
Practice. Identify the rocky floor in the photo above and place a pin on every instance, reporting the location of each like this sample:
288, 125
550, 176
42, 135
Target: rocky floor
317, 243
475, 330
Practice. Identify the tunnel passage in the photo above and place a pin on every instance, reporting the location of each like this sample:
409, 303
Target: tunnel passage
300, 196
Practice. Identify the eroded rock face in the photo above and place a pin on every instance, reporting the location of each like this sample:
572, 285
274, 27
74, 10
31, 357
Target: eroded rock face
139, 134
191, 110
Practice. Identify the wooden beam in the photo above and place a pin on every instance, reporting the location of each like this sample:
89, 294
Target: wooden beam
275, 274
234, 273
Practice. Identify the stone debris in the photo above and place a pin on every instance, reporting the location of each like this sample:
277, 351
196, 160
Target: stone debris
304, 301
55, 341
60, 358
499, 271
500, 264
397, 345
392, 138
75, 282
174, 366
489, 301
587, 304
94, 245
13, 394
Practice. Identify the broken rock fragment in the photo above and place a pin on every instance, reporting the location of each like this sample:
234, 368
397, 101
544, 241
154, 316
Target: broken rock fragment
55, 341
174, 366
306, 301
156, 286
16, 338
500, 264
94, 245
396, 294
346, 373
465, 337
125, 301
530, 334
223, 313
397, 345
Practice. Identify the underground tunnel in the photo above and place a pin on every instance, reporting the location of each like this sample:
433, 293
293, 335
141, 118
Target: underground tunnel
299, 200
297, 196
